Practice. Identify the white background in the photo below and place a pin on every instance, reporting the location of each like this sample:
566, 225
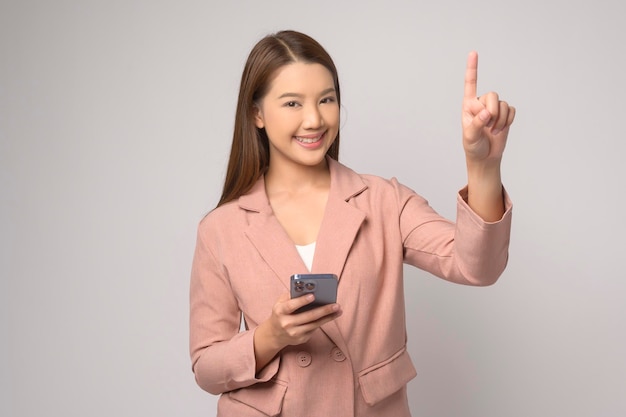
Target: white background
115, 125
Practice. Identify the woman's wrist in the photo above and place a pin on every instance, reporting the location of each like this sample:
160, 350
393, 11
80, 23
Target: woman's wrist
265, 346
484, 189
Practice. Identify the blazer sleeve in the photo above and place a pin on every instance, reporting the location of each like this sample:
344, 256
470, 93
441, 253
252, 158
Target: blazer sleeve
470, 251
222, 356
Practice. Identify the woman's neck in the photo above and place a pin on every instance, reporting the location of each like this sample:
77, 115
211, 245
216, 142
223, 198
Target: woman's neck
296, 178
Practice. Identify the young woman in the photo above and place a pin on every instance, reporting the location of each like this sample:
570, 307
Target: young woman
288, 206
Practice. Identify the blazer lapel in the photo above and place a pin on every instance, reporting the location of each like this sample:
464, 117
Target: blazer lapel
268, 236
341, 222
339, 227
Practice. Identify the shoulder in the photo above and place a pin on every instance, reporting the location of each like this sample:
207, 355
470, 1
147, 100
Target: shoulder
388, 188
391, 195
219, 217
233, 213
373, 190
352, 183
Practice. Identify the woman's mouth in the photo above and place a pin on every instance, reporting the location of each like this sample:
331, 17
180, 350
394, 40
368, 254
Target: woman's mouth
309, 139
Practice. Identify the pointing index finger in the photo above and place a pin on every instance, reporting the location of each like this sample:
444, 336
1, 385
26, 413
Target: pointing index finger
471, 75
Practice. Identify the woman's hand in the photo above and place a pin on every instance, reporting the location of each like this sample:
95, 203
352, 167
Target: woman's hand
485, 119
283, 328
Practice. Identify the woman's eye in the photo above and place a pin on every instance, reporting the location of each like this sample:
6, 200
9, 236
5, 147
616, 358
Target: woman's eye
328, 100
291, 104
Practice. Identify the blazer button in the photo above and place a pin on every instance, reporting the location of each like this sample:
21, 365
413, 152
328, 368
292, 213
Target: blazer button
337, 355
303, 359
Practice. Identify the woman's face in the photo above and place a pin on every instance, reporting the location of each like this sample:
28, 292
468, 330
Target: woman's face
300, 114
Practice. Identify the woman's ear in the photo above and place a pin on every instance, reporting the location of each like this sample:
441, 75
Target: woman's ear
258, 117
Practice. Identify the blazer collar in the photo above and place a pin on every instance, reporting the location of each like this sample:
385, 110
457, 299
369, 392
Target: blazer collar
338, 230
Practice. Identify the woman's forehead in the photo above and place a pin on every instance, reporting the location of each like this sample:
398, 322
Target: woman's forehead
301, 78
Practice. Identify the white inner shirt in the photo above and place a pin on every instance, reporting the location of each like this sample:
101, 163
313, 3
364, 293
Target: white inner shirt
306, 253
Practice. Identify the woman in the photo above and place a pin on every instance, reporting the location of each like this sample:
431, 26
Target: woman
288, 206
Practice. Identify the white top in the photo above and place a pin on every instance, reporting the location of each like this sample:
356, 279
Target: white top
306, 253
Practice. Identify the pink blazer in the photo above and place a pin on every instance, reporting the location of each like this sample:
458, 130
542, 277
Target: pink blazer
357, 365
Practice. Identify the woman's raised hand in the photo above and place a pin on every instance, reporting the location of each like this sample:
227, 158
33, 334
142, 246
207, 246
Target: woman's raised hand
485, 119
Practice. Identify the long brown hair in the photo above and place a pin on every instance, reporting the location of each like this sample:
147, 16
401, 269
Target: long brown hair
249, 153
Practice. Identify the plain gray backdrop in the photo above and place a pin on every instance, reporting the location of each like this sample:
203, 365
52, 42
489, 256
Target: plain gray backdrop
115, 126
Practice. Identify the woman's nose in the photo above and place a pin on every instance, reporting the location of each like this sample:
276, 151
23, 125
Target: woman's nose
313, 118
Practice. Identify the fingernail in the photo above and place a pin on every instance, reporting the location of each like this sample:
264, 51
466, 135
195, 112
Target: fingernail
310, 297
484, 115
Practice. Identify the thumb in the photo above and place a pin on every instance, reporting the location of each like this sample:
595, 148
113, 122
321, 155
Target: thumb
479, 121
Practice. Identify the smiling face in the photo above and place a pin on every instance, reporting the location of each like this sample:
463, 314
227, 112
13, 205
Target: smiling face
300, 115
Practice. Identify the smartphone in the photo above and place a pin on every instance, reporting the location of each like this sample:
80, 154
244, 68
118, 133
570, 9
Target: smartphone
323, 286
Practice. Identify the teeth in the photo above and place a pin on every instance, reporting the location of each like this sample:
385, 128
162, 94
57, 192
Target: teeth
308, 140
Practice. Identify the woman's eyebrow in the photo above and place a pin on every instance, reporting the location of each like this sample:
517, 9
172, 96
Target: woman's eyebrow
298, 95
